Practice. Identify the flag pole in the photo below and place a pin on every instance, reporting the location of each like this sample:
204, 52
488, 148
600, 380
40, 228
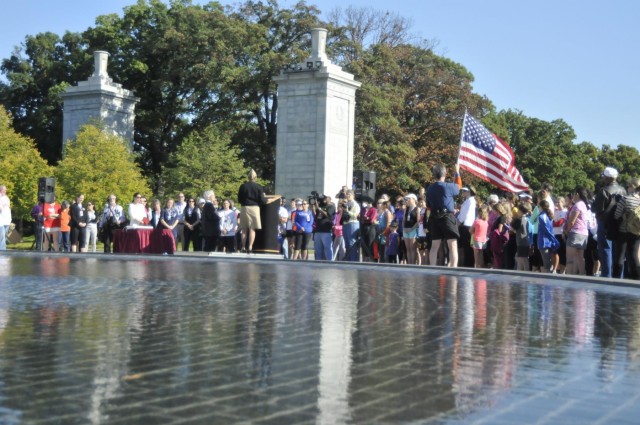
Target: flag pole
464, 120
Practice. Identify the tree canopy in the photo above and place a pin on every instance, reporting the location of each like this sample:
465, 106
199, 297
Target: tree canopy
206, 160
197, 66
97, 164
20, 167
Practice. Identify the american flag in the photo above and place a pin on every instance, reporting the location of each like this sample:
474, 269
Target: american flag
483, 154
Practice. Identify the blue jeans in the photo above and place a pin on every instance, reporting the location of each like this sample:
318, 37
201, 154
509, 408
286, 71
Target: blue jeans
604, 251
3, 237
323, 246
38, 231
284, 246
63, 241
349, 233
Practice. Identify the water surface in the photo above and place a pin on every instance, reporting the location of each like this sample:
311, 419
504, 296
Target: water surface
97, 339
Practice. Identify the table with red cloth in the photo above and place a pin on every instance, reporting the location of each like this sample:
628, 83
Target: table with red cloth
137, 240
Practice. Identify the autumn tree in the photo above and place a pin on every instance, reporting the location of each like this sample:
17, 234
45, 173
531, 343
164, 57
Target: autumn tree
20, 167
409, 114
98, 163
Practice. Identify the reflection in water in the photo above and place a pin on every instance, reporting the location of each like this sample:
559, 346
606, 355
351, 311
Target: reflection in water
154, 340
339, 298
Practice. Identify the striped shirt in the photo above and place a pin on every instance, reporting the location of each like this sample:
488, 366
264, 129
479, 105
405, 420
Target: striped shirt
625, 206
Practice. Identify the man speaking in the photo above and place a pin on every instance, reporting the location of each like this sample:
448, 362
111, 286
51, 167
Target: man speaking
251, 196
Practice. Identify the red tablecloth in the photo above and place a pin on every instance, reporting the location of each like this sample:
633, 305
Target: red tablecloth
144, 241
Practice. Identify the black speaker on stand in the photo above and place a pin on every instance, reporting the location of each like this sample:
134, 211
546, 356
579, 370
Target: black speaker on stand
46, 189
46, 195
364, 183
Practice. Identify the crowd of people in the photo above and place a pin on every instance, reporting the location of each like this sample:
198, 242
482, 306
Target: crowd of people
575, 233
446, 224
198, 224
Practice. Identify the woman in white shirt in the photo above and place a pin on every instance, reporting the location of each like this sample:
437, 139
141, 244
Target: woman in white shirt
228, 226
91, 230
137, 212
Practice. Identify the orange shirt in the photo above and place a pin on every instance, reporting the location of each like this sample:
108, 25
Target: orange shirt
65, 217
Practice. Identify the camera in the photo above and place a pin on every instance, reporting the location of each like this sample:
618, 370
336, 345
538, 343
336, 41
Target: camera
316, 199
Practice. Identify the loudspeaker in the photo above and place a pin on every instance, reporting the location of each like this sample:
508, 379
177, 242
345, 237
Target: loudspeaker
364, 184
46, 189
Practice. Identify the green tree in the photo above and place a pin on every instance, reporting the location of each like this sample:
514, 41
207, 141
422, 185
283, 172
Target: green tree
272, 37
35, 81
206, 160
197, 65
542, 150
176, 58
625, 159
20, 167
97, 164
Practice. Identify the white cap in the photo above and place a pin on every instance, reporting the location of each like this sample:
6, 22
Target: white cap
610, 172
493, 198
525, 195
411, 195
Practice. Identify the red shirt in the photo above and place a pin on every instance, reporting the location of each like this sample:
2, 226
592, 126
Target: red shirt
50, 209
371, 215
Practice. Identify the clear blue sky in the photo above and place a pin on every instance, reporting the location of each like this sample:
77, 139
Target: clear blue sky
568, 59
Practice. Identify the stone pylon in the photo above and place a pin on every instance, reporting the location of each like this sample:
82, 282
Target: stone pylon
100, 99
316, 123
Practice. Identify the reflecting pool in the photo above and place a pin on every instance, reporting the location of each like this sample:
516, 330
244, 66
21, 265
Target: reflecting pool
121, 340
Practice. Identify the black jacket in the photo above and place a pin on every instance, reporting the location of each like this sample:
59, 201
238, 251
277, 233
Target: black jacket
77, 214
210, 221
606, 199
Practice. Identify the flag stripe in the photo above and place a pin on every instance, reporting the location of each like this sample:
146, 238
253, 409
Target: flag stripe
498, 167
485, 155
491, 178
481, 169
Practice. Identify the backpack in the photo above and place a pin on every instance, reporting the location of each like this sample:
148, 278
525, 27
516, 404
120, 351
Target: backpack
632, 221
612, 224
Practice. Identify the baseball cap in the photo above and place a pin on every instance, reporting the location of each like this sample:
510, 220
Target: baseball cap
412, 196
610, 172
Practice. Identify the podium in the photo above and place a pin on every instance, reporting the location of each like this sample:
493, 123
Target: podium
266, 241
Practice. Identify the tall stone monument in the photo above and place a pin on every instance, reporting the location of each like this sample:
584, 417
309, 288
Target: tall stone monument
99, 98
316, 122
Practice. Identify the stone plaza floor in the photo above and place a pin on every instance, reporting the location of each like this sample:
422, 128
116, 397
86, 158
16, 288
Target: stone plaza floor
114, 339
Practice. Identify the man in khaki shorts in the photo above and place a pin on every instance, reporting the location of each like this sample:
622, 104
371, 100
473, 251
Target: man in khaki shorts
251, 196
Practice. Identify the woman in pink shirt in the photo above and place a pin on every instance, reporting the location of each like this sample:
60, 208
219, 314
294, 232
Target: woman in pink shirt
479, 235
577, 232
338, 240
